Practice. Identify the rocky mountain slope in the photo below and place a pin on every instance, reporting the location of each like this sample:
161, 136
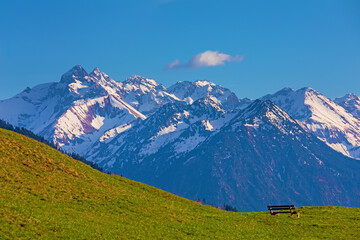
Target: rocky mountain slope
351, 103
174, 130
255, 156
146, 95
192, 91
74, 112
199, 140
321, 116
83, 109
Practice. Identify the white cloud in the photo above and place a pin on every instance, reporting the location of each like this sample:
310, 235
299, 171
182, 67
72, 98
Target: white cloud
205, 59
173, 65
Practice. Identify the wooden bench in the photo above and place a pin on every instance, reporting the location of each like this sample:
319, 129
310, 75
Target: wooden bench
277, 210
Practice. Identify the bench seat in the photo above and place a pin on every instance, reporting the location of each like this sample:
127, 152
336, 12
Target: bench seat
277, 210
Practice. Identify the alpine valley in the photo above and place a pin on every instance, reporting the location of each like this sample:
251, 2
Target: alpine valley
200, 141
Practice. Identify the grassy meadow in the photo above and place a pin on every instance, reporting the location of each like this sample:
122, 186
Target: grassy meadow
45, 194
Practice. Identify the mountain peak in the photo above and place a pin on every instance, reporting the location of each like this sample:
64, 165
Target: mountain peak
351, 102
202, 83
139, 80
75, 73
297, 103
264, 107
286, 90
96, 72
283, 92
97, 76
262, 104
307, 89
78, 67
346, 98
209, 102
351, 96
261, 112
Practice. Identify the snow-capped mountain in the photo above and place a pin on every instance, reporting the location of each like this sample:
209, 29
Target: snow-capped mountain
198, 140
351, 103
251, 158
146, 95
74, 112
192, 91
175, 129
83, 108
321, 116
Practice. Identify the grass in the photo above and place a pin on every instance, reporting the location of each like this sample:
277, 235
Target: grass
45, 194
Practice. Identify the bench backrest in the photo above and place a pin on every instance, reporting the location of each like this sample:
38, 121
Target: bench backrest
281, 207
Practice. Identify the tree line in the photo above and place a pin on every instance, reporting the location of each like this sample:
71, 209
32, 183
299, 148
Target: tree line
225, 207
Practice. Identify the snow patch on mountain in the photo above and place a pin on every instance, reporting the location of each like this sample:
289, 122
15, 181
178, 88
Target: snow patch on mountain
146, 95
74, 112
255, 124
321, 116
188, 144
108, 135
351, 103
192, 91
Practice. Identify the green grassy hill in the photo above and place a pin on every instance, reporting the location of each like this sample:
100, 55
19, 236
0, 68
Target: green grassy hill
46, 194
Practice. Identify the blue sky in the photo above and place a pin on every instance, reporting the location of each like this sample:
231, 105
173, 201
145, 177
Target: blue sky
254, 47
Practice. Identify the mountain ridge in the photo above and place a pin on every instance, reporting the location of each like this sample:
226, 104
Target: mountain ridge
321, 116
171, 137
54, 103
261, 144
